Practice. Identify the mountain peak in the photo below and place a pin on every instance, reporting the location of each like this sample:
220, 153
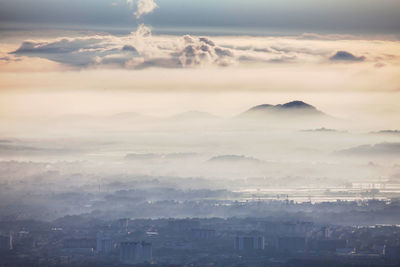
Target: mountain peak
297, 104
296, 107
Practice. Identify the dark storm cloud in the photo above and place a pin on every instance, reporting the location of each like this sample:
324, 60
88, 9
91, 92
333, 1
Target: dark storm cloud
346, 56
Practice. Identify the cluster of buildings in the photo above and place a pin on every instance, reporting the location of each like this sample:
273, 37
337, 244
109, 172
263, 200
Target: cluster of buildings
135, 252
6, 242
191, 241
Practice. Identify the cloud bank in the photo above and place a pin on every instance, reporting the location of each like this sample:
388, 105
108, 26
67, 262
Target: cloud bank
137, 51
141, 49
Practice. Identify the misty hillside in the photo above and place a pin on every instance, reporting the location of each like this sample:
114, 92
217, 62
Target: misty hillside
128, 116
234, 159
193, 115
290, 109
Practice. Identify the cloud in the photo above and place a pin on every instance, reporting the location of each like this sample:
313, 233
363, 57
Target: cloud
144, 7
64, 45
141, 49
137, 51
129, 48
71, 51
346, 56
379, 65
201, 51
15, 149
207, 41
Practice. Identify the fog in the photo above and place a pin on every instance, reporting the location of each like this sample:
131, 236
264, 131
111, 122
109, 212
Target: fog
259, 133
105, 164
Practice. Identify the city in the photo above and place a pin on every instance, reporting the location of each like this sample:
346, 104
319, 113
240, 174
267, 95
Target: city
247, 241
176, 133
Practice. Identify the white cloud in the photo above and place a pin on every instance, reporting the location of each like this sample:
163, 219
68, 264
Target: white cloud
144, 7
138, 50
141, 49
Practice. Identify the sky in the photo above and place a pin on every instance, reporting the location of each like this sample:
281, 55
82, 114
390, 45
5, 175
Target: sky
354, 16
164, 57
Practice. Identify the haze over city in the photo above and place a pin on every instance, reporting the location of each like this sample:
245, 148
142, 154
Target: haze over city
199, 133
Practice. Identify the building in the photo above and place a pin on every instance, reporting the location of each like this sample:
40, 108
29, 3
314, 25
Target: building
123, 224
135, 252
183, 224
6, 242
392, 252
249, 243
290, 243
147, 251
288, 228
345, 251
330, 244
202, 233
103, 244
79, 246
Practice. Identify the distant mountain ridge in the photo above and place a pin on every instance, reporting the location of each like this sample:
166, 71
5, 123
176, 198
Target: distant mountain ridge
387, 132
291, 108
193, 114
234, 158
380, 149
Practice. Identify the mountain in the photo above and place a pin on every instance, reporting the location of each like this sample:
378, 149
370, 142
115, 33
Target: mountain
294, 109
234, 159
379, 150
323, 130
387, 132
126, 115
